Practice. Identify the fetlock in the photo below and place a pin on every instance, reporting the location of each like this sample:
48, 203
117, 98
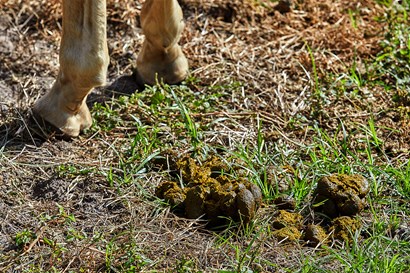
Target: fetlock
67, 116
160, 64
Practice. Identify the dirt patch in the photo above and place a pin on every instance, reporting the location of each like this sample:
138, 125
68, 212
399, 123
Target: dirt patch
52, 189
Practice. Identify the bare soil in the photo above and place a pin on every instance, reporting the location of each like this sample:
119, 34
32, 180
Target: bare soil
253, 43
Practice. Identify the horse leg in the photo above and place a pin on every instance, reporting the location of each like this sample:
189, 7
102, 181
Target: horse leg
83, 65
161, 58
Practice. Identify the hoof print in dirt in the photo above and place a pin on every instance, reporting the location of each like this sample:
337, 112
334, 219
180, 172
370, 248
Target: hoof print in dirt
341, 194
207, 193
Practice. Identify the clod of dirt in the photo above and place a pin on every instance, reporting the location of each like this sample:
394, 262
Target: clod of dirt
315, 235
344, 227
287, 233
341, 194
208, 193
284, 218
285, 202
283, 6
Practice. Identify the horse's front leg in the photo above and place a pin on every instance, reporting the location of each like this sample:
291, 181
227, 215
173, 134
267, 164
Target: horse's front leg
83, 65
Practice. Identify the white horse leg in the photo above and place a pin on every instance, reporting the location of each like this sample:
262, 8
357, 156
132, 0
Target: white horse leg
161, 57
83, 65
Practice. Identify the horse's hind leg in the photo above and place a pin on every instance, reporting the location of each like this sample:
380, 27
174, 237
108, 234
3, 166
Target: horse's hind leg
161, 58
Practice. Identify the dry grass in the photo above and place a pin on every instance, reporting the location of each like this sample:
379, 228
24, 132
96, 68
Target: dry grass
46, 183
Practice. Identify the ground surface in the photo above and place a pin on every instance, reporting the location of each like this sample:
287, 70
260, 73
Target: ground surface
284, 97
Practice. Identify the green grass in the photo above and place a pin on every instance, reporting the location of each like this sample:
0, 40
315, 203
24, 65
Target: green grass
166, 116
197, 119
347, 151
